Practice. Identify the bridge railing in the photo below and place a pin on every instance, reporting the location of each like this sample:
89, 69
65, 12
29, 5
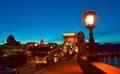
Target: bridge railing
87, 67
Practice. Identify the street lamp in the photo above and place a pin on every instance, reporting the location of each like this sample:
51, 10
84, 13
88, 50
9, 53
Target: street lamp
67, 47
89, 18
68, 55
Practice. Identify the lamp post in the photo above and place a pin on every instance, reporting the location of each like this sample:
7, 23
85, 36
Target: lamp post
89, 18
68, 55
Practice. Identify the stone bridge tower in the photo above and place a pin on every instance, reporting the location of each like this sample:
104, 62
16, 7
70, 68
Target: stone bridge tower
77, 41
70, 39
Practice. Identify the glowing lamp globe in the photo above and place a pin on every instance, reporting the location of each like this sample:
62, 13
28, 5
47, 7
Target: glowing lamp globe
89, 18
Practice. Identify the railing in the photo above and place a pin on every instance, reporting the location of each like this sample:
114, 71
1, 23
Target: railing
88, 68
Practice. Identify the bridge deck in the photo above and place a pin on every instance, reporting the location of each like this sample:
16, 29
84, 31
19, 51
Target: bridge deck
65, 67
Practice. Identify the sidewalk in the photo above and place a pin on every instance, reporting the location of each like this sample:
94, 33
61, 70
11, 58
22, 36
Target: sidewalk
64, 67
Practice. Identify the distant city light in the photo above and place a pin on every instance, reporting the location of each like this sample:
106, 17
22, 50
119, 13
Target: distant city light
51, 47
36, 44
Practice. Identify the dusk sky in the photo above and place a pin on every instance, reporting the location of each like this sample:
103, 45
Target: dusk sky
33, 20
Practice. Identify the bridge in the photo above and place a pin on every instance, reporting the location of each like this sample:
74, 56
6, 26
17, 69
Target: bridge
64, 67
79, 65
75, 65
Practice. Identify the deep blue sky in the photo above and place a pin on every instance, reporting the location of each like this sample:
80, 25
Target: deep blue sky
33, 20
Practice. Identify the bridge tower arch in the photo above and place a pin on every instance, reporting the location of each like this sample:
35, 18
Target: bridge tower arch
70, 40
76, 41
